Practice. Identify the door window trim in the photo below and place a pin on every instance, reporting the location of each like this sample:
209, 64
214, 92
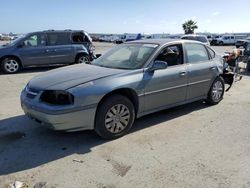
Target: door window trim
165, 46
38, 46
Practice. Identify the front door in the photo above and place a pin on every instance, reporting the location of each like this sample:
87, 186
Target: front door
168, 86
33, 50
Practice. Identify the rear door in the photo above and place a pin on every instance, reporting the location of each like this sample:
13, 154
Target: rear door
33, 51
201, 69
60, 48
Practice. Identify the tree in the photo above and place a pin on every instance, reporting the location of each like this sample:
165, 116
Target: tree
189, 27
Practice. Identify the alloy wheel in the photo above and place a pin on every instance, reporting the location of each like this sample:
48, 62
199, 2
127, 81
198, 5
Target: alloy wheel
217, 90
11, 65
117, 118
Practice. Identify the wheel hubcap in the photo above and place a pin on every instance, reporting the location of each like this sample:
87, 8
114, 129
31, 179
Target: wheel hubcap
117, 118
217, 91
11, 65
83, 60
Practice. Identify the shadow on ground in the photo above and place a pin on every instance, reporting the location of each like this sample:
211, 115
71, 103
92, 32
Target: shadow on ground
35, 69
25, 144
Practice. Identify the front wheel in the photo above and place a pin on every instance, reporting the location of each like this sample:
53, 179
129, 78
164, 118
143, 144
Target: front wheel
115, 116
216, 92
10, 65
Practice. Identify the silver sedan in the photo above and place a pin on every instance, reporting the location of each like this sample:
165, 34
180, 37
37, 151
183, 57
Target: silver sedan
129, 81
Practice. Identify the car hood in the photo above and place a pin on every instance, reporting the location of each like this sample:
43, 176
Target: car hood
70, 76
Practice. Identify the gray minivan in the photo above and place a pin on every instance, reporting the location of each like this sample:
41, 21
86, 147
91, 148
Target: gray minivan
47, 48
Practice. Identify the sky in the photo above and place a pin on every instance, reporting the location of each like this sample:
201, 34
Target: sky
124, 16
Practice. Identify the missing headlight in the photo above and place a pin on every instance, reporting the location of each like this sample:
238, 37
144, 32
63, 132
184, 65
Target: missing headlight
57, 97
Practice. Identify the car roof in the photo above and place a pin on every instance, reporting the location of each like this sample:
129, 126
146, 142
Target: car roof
161, 42
58, 31
194, 35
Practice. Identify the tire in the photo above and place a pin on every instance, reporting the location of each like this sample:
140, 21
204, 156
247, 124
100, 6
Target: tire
10, 65
248, 66
221, 43
216, 92
111, 125
82, 59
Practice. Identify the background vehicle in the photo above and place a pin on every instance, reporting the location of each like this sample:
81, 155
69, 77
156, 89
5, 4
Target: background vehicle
246, 54
200, 38
214, 39
240, 43
108, 38
46, 48
129, 81
128, 37
229, 39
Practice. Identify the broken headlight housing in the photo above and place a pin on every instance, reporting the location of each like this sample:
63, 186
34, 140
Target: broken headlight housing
57, 97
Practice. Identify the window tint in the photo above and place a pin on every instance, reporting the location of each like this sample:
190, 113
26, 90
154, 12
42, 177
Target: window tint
35, 40
211, 52
172, 55
58, 39
201, 39
196, 53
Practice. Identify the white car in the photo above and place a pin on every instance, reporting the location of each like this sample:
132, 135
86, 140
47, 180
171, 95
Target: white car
200, 38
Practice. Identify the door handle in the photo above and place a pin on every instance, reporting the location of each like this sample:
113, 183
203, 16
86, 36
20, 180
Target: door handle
54, 50
47, 51
212, 68
183, 73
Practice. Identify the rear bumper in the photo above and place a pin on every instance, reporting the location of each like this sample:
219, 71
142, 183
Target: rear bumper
74, 119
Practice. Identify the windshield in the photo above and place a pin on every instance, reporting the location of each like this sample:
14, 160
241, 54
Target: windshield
126, 56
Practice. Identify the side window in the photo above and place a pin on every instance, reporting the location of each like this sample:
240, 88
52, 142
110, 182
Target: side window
79, 38
211, 52
35, 40
58, 39
196, 53
232, 37
173, 55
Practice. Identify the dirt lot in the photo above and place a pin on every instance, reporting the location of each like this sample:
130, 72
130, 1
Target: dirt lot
195, 145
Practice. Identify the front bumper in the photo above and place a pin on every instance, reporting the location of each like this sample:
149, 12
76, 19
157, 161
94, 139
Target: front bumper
67, 119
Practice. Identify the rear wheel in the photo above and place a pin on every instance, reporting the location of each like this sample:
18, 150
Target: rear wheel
216, 92
221, 43
82, 59
115, 116
10, 65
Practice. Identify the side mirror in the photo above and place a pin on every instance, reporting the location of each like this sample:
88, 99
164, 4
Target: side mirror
158, 65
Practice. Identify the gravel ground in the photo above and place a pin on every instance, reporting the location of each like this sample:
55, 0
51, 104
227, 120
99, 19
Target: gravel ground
194, 145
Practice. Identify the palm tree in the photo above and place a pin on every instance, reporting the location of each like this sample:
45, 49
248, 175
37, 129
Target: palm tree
189, 27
